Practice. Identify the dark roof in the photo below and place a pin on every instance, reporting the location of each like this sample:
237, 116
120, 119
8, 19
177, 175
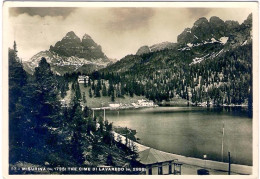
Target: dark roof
151, 156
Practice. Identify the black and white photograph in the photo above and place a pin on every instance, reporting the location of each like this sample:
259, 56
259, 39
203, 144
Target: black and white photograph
141, 88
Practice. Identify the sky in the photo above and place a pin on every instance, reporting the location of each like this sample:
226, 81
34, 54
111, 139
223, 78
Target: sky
119, 31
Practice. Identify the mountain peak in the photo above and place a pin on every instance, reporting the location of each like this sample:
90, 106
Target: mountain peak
248, 21
143, 50
200, 21
215, 20
71, 35
86, 36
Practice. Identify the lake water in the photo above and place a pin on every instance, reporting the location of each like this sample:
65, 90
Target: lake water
191, 131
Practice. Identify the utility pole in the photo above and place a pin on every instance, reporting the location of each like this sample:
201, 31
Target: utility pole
229, 163
222, 150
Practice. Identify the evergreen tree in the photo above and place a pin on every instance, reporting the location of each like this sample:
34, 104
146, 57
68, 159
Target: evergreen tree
77, 90
112, 96
47, 106
93, 85
18, 126
90, 93
99, 87
89, 82
104, 90
110, 88
85, 82
84, 97
97, 92
78, 131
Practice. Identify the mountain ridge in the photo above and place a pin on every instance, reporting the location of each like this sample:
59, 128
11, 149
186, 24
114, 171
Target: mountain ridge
156, 47
71, 54
208, 66
200, 40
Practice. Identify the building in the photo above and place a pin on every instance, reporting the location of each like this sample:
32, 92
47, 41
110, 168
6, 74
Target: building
143, 102
159, 163
115, 105
83, 78
63, 103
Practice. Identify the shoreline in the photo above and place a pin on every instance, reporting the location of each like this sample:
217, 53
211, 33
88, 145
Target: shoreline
196, 162
155, 106
123, 107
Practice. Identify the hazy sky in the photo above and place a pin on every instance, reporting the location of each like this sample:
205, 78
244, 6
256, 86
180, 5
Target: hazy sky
120, 31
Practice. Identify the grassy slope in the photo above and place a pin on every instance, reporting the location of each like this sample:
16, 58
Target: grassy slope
103, 100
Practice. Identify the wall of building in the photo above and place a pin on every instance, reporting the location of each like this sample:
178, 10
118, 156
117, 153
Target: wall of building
155, 170
165, 168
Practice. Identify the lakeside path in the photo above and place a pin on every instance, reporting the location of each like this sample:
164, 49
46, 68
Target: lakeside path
191, 165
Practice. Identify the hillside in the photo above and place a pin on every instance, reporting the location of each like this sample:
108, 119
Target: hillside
211, 64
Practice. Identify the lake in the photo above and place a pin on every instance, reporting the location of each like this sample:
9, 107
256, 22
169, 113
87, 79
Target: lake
191, 131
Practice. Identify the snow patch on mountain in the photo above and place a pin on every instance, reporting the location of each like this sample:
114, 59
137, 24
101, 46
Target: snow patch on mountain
184, 48
223, 40
208, 56
213, 40
56, 60
189, 44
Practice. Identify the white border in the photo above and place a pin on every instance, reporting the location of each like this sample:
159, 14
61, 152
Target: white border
251, 5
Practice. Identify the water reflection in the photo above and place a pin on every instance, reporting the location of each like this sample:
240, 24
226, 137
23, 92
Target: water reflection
191, 131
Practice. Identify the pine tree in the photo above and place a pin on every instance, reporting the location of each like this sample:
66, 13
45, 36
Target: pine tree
18, 126
110, 88
93, 85
104, 90
97, 92
85, 82
90, 93
78, 131
89, 82
77, 90
46, 93
84, 97
99, 87
112, 96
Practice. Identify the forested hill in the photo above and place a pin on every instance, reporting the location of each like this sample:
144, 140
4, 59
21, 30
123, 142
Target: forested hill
45, 134
211, 63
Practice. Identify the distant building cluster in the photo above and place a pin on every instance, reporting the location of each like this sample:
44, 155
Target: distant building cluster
139, 103
144, 102
83, 78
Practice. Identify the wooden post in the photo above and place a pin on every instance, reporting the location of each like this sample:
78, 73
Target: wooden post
229, 163
222, 148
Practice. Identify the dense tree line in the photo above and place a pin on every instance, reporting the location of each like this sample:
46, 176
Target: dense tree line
226, 79
44, 133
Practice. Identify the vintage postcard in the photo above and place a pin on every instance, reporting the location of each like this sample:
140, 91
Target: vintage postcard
130, 88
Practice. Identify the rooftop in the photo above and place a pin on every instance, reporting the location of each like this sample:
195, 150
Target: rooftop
151, 156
